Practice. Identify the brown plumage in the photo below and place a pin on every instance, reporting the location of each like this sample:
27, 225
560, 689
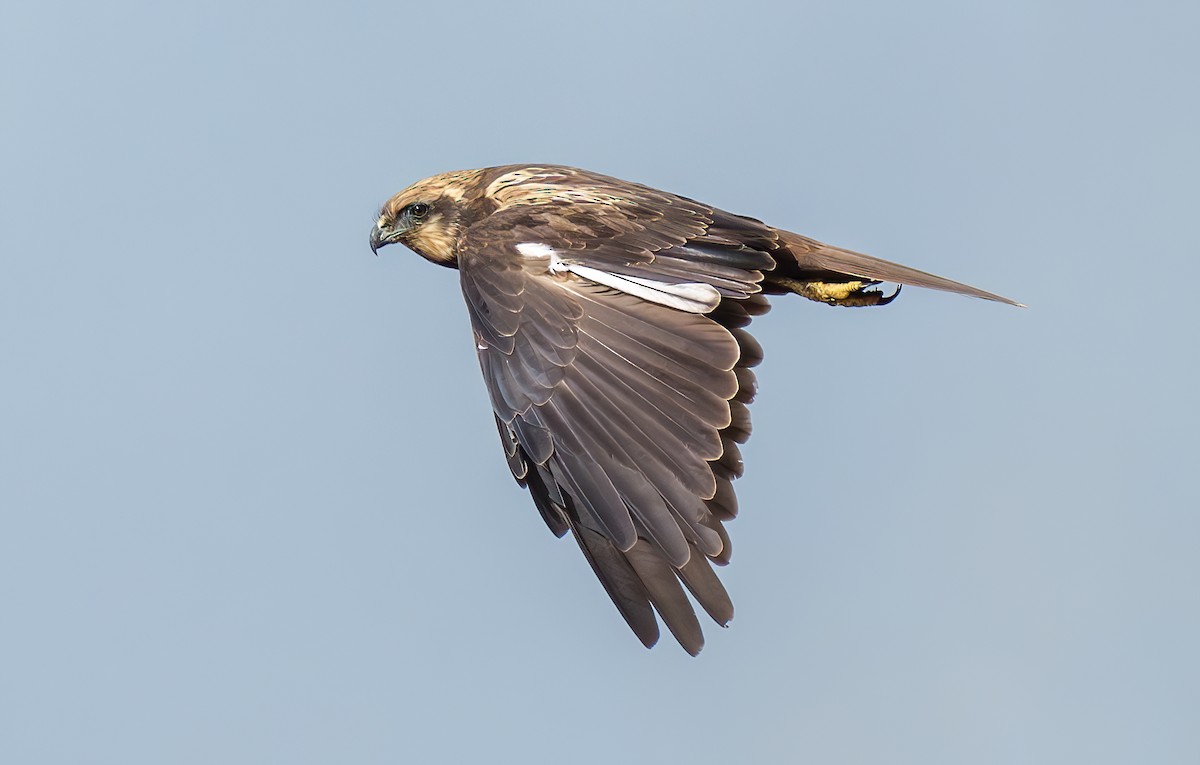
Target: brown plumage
608, 319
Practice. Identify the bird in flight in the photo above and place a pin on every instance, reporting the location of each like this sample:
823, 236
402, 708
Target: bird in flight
609, 319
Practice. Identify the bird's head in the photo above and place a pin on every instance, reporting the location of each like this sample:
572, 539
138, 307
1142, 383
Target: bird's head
428, 217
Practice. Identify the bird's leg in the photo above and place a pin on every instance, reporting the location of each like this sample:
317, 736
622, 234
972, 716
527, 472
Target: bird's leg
854, 294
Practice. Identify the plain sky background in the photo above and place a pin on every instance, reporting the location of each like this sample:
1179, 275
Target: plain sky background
253, 505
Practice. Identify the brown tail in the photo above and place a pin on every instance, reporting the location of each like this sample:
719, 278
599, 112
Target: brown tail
817, 263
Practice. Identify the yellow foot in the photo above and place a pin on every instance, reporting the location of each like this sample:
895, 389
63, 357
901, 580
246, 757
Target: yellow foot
848, 294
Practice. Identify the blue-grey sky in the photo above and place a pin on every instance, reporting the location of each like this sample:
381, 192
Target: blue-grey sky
252, 504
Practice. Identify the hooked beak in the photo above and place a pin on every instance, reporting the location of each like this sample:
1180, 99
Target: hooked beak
377, 239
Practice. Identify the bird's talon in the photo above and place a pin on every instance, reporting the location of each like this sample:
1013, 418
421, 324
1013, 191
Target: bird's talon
847, 294
891, 297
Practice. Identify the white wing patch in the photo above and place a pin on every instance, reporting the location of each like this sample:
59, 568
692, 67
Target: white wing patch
542, 251
535, 250
693, 297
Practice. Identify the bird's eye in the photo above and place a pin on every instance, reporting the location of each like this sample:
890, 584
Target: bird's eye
418, 210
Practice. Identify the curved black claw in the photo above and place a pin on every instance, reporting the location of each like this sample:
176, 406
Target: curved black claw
891, 297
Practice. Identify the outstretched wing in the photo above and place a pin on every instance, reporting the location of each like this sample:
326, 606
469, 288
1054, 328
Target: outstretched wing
619, 378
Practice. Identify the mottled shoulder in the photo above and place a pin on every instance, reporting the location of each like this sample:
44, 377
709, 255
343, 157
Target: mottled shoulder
581, 206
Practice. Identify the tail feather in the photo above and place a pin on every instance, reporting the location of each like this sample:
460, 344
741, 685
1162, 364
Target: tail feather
813, 261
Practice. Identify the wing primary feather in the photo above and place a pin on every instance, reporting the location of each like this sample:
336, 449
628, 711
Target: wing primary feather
704, 585
619, 579
606, 448
586, 482
667, 595
682, 451
551, 508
